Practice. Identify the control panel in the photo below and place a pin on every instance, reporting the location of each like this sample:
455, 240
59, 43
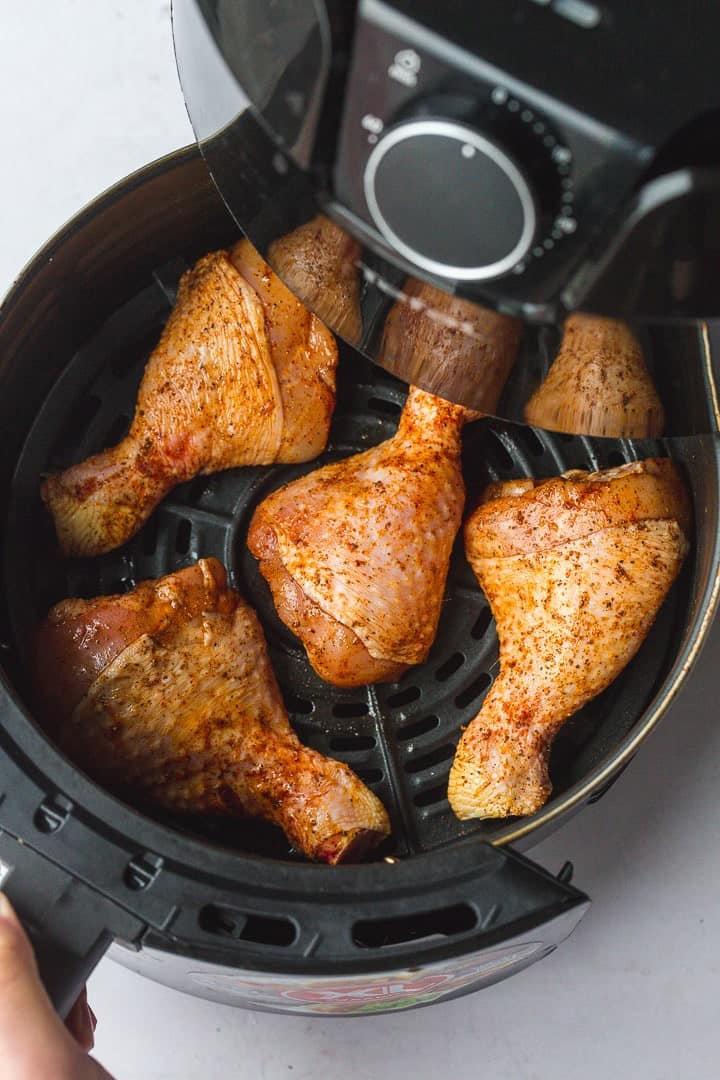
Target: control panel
462, 172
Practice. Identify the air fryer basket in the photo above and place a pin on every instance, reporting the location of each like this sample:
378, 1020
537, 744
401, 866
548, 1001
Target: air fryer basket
72, 354
400, 738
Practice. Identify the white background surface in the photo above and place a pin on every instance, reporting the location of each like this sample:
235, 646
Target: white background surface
88, 92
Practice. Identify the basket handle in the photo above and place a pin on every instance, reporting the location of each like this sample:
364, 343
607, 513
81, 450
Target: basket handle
70, 925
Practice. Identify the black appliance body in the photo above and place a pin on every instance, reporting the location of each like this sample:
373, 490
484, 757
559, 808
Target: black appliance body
229, 912
535, 155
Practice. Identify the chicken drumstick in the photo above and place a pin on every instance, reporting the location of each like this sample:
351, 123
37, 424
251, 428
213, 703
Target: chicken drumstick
598, 384
450, 346
575, 570
168, 692
243, 374
356, 553
319, 261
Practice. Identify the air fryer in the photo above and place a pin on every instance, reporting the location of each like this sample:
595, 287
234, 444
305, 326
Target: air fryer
228, 911
534, 157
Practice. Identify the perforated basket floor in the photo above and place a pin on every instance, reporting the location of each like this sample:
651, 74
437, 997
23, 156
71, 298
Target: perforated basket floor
400, 738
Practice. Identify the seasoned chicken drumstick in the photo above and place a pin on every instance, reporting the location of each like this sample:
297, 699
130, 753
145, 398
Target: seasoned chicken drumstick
575, 570
243, 374
599, 384
450, 346
319, 261
356, 553
168, 692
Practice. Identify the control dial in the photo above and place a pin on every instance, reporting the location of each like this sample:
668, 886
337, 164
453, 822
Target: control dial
459, 192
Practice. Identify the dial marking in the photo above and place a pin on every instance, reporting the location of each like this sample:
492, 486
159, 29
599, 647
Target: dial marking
405, 67
372, 123
280, 165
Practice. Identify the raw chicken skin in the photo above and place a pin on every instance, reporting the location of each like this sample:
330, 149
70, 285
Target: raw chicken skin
575, 570
304, 354
320, 262
450, 346
243, 375
356, 553
598, 384
169, 693
80, 638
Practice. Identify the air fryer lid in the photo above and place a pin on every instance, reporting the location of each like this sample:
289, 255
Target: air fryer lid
83, 867
464, 165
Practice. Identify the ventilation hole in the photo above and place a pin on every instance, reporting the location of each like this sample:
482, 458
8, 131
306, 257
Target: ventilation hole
267, 931
404, 697
530, 440
352, 742
436, 757
78, 422
215, 920
474, 690
369, 776
121, 364
182, 537
198, 488
387, 408
431, 795
443, 922
114, 583
84, 579
499, 454
304, 732
348, 709
299, 705
263, 929
417, 728
615, 458
481, 624
451, 665
149, 537
117, 430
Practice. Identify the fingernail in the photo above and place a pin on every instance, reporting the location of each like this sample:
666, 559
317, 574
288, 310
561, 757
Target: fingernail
93, 1018
90, 1029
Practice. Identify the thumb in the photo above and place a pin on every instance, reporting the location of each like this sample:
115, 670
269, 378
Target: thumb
32, 1036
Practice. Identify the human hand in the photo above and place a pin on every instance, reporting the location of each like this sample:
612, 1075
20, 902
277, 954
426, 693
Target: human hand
34, 1042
